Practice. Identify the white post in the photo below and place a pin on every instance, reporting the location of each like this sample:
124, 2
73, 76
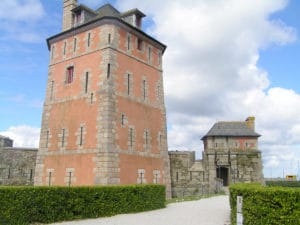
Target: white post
239, 210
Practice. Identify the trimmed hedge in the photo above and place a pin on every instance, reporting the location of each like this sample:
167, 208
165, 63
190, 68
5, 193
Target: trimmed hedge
25, 205
266, 205
283, 183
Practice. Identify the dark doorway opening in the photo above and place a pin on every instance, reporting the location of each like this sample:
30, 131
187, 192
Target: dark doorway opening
222, 173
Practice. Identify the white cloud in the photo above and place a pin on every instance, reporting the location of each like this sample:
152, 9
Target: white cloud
21, 10
23, 135
19, 20
211, 70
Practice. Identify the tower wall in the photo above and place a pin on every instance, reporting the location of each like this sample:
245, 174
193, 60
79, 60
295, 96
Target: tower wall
108, 125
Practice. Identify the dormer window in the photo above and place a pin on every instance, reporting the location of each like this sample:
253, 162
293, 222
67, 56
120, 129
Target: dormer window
77, 18
138, 21
133, 17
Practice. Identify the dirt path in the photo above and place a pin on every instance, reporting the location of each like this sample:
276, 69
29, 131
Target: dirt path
209, 211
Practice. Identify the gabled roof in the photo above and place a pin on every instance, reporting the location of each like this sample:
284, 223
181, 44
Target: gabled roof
230, 129
133, 11
107, 10
84, 7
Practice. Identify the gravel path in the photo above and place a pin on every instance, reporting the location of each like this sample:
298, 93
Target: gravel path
209, 211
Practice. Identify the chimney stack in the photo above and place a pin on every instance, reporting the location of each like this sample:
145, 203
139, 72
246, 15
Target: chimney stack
250, 122
67, 14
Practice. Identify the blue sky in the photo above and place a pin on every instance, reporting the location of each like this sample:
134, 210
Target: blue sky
231, 60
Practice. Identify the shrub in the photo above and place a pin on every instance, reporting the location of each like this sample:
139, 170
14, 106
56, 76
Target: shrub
25, 205
283, 183
266, 205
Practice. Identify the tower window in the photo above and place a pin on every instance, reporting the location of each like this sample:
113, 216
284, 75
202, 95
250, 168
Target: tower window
122, 119
130, 137
70, 74
128, 42
92, 98
128, 84
77, 18
63, 138
75, 45
109, 38
108, 70
51, 89
64, 48
144, 89
81, 136
89, 39
52, 52
86, 82
159, 58
47, 139
140, 44
149, 54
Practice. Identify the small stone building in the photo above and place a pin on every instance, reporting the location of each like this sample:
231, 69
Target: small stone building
230, 155
17, 165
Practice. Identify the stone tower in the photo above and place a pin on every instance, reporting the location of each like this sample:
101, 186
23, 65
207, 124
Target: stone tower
104, 119
231, 154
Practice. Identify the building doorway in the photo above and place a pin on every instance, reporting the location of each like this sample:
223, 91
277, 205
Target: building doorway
222, 173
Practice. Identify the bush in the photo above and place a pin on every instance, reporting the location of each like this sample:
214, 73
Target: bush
283, 183
266, 205
25, 205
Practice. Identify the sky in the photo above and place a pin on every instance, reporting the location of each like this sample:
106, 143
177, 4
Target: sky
226, 60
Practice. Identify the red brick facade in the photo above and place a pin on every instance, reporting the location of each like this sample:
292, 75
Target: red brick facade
104, 117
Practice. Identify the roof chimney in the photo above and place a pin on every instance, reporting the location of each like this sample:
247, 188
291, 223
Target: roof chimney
250, 122
67, 14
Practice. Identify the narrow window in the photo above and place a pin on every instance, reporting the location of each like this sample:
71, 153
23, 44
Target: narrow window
65, 47
128, 84
51, 90
128, 42
70, 74
89, 39
75, 45
122, 119
63, 138
146, 138
141, 177
92, 98
139, 44
159, 58
47, 138
177, 176
81, 136
191, 175
9, 173
70, 179
52, 52
108, 70
158, 91
86, 82
156, 178
109, 38
149, 54
144, 89
131, 137
160, 140
31, 175
49, 178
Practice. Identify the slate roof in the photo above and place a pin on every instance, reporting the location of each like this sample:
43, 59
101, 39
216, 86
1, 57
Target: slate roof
107, 11
230, 129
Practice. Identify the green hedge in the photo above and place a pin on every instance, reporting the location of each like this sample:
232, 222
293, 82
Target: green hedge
25, 205
283, 183
266, 205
